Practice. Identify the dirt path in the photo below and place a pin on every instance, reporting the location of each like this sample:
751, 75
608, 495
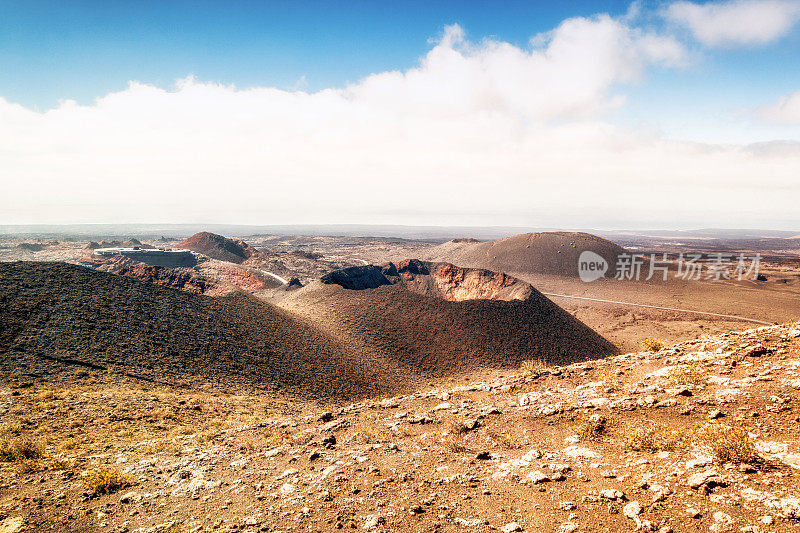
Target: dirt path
279, 278
754, 321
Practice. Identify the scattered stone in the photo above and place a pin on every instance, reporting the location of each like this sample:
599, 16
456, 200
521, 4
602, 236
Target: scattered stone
611, 494
339, 423
511, 527
130, 497
372, 521
695, 481
470, 424
790, 507
722, 522
536, 477
12, 525
577, 452
632, 510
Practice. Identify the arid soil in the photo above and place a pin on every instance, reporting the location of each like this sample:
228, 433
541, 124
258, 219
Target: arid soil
627, 325
700, 436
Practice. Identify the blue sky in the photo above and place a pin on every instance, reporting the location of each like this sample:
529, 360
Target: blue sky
649, 99
81, 50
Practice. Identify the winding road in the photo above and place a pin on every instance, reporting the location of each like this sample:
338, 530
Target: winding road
744, 319
279, 278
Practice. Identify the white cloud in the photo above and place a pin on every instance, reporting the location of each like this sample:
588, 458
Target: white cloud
484, 133
736, 22
785, 111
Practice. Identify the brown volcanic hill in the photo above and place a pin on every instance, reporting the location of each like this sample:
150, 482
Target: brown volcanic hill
218, 247
438, 319
541, 253
56, 317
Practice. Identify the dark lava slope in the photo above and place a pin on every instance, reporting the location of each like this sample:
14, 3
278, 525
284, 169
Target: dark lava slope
56, 318
427, 320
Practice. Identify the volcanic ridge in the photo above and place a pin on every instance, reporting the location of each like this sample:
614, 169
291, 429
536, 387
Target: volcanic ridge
59, 317
443, 319
554, 252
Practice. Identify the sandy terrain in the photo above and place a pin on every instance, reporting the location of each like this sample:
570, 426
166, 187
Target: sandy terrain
695, 437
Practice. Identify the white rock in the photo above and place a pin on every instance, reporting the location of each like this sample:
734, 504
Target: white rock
372, 521
722, 522
695, 481
598, 402
252, 521
537, 477
568, 527
790, 507
611, 494
699, 462
632, 510
288, 472
12, 525
129, 497
578, 452
511, 527
566, 506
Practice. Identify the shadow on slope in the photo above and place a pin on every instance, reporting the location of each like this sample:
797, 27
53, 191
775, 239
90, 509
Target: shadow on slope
432, 325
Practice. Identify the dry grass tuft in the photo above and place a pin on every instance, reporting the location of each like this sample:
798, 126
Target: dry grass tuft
652, 344
106, 480
658, 438
726, 444
18, 449
533, 366
505, 438
691, 374
454, 441
591, 428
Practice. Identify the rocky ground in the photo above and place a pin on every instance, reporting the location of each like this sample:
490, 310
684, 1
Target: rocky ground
699, 436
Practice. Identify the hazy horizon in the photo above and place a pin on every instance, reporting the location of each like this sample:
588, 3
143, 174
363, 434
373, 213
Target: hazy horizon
438, 233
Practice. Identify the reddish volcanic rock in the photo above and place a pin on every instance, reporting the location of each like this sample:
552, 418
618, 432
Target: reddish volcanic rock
159, 275
247, 280
457, 284
167, 277
438, 280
